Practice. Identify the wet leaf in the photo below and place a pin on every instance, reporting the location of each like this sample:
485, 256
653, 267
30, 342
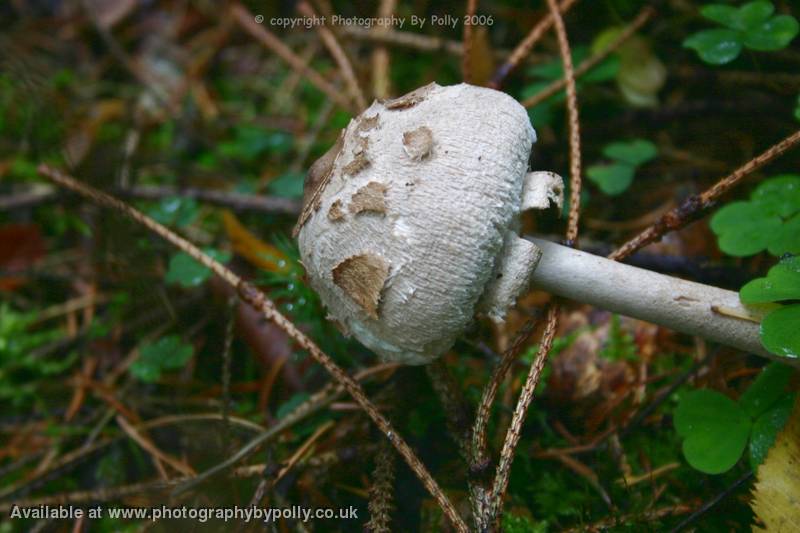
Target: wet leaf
635, 152
766, 428
167, 353
766, 390
717, 47
187, 272
715, 430
779, 332
781, 283
613, 179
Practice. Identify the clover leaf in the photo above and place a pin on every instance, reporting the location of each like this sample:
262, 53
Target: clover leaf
752, 26
167, 353
716, 429
779, 331
185, 271
770, 220
614, 178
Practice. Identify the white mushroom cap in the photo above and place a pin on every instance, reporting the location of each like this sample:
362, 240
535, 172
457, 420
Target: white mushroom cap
408, 218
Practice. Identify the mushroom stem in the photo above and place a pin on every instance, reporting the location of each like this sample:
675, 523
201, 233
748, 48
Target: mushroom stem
709, 312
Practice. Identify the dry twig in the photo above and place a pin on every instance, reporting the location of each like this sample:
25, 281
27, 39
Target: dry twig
524, 48
336, 50
696, 205
590, 62
260, 302
246, 20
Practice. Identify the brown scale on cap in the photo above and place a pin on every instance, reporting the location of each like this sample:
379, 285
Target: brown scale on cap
362, 278
371, 197
418, 143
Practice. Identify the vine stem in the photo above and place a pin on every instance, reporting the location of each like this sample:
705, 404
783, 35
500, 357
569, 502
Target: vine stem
255, 298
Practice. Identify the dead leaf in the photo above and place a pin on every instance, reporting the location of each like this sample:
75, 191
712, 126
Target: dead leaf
776, 494
251, 248
21, 246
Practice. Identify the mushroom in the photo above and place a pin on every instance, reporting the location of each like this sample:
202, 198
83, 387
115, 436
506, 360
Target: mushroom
409, 228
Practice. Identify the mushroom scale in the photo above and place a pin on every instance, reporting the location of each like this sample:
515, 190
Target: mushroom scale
410, 221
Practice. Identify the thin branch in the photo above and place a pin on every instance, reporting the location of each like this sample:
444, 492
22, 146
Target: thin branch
574, 125
233, 200
480, 459
381, 81
466, 59
381, 492
707, 506
247, 21
515, 429
336, 50
696, 205
590, 62
260, 302
524, 48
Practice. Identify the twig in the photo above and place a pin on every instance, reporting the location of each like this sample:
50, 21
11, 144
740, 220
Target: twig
590, 62
648, 516
466, 59
696, 205
381, 82
301, 451
232, 200
457, 417
381, 491
333, 46
247, 22
97, 495
152, 449
226, 369
574, 125
480, 455
527, 44
707, 506
260, 302
515, 429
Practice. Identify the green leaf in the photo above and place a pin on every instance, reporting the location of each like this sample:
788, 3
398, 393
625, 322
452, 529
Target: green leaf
715, 430
773, 34
766, 429
781, 283
289, 185
175, 210
167, 353
288, 406
767, 389
797, 109
635, 152
612, 179
744, 228
779, 195
779, 332
752, 15
722, 14
185, 271
717, 46
787, 239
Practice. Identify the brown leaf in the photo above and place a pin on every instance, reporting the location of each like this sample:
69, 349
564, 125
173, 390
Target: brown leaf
20, 247
362, 278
